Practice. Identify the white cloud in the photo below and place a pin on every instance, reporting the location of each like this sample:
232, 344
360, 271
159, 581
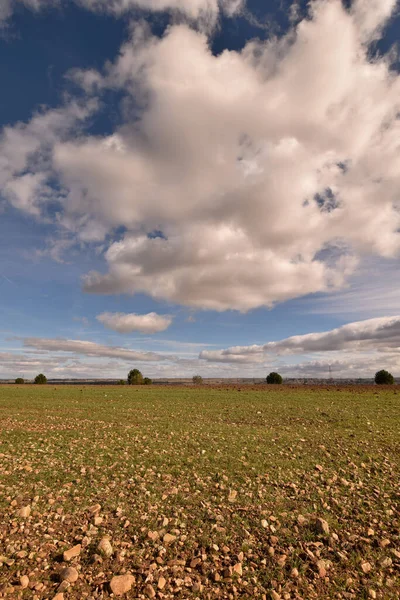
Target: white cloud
380, 334
204, 11
91, 349
269, 171
126, 323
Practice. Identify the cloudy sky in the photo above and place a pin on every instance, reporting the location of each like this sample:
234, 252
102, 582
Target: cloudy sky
199, 186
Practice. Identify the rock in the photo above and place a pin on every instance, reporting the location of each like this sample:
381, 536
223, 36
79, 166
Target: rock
121, 584
58, 597
232, 496
321, 568
149, 591
275, 595
105, 547
24, 581
69, 574
64, 585
238, 569
169, 538
24, 512
95, 509
274, 540
281, 560
161, 583
386, 562
372, 593
153, 535
264, 523
97, 521
366, 567
301, 520
72, 552
319, 468
294, 573
322, 526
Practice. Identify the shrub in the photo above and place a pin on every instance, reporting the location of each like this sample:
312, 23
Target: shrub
147, 381
135, 377
384, 378
41, 379
274, 378
197, 379
19, 380
121, 382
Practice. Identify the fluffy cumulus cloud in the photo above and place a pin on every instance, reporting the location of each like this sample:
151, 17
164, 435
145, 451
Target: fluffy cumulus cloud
126, 323
242, 179
381, 334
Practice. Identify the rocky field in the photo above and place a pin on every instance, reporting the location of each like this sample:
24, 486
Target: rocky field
208, 492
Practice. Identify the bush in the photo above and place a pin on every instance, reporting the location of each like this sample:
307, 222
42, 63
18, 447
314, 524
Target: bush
197, 379
384, 378
147, 381
41, 379
135, 377
121, 382
19, 380
274, 378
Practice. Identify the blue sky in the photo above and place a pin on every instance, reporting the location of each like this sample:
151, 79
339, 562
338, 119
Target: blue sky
182, 185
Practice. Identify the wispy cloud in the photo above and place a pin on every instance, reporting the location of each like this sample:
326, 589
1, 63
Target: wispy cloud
86, 348
382, 334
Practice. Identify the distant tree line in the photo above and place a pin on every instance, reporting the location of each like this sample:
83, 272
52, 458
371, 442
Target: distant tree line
135, 377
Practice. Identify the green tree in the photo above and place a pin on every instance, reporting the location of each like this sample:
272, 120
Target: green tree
197, 379
384, 378
135, 377
19, 380
147, 381
41, 379
121, 382
274, 378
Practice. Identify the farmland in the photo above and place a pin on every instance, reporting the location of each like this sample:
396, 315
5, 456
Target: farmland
204, 492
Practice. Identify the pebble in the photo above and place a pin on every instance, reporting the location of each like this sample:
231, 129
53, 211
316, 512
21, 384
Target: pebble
321, 526
121, 584
238, 569
24, 581
64, 585
161, 583
105, 547
69, 574
24, 512
366, 567
168, 538
58, 597
149, 591
95, 509
72, 552
372, 593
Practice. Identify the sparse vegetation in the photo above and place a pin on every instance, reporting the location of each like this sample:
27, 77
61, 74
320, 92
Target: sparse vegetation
19, 381
384, 378
274, 378
135, 377
40, 379
197, 379
201, 492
